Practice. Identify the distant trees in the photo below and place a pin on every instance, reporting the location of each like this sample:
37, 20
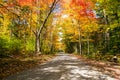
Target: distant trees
97, 24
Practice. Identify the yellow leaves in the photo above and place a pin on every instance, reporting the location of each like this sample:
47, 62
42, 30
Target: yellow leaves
6, 20
44, 4
34, 17
5, 23
66, 4
101, 1
112, 26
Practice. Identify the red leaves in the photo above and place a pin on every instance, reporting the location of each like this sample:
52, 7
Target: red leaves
81, 3
82, 7
91, 13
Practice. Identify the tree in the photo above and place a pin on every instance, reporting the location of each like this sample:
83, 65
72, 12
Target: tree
108, 13
82, 12
27, 16
38, 31
41, 6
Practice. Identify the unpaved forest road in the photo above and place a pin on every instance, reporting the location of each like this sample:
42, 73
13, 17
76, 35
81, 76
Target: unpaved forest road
63, 67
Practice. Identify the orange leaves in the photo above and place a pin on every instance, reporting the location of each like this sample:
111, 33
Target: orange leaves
82, 7
26, 2
78, 2
34, 2
82, 11
66, 1
79, 8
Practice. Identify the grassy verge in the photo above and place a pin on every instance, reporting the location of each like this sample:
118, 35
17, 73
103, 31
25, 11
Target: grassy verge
10, 66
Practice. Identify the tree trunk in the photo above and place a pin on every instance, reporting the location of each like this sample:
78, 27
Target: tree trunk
88, 49
39, 30
51, 39
11, 33
75, 48
37, 44
106, 32
80, 44
24, 41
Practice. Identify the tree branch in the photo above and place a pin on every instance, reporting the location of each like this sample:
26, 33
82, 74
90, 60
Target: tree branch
49, 13
2, 6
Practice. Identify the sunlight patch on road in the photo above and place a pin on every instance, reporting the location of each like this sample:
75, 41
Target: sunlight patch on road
51, 69
72, 67
71, 63
64, 58
37, 78
83, 73
91, 74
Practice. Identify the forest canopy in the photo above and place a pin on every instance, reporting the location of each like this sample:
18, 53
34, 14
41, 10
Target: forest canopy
85, 27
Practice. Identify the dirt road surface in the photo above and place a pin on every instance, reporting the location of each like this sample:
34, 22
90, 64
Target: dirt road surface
63, 67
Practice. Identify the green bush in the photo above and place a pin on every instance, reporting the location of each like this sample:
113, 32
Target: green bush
15, 46
30, 45
3, 46
10, 46
45, 49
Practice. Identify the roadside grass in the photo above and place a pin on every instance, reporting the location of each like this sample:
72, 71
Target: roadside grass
16, 64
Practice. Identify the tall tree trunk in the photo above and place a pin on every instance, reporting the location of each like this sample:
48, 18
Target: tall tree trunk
88, 43
51, 40
24, 41
39, 29
80, 44
11, 33
106, 31
37, 44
